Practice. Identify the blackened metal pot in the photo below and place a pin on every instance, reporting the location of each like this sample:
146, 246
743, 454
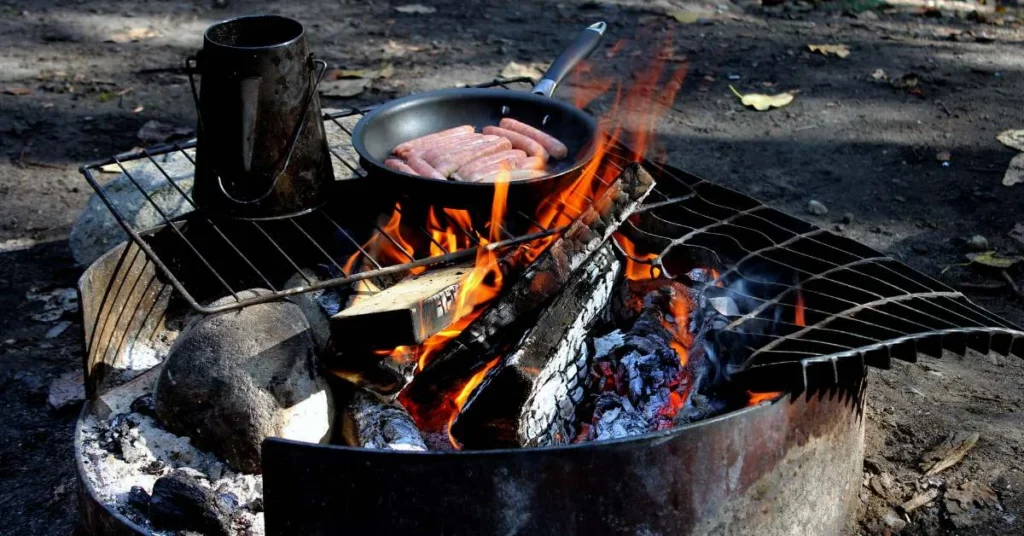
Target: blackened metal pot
262, 151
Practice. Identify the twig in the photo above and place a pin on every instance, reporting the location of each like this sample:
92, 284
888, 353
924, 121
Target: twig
1013, 285
944, 109
981, 286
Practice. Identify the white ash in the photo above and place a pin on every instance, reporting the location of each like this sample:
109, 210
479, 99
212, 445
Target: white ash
131, 449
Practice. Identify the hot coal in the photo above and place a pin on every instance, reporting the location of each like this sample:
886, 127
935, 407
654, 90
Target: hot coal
615, 417
370, 422
181, 502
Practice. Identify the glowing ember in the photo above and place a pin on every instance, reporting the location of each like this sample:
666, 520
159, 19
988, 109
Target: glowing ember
799, 310
757, 398
634, 270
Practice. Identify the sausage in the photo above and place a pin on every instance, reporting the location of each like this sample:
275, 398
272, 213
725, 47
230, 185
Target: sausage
531, 162
489, 169
447, 164
551, 144
511, 157
435, 153
431, 139
397, 165
421, 167
450, 141
513, 175
519, 141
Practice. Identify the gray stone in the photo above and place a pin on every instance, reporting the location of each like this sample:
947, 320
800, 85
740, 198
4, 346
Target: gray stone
318, 306
235, 378
816, 207
977, 243
891, 519
96, 230
67, 390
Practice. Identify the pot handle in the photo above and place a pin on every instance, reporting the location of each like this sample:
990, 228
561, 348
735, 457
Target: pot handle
191, 64
584, 44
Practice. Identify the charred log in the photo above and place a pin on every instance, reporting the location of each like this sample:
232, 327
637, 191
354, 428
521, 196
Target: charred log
647, 366
540, 281
372, 423
384, 374
530, 397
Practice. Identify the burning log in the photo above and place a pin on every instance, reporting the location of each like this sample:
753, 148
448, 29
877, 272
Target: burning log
406, 313
372, 423
530, 398
540, 281
384, 373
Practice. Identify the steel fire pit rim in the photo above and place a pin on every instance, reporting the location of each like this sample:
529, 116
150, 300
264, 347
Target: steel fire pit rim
650, 438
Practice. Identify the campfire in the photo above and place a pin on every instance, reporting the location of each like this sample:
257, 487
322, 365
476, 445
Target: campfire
515, 363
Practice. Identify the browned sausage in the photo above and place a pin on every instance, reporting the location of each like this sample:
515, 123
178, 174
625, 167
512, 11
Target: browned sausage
511, 157
397, 165
551, 144
421, 167
459, 138
435, 153
513, 175
431, 139
519, 141
446, 165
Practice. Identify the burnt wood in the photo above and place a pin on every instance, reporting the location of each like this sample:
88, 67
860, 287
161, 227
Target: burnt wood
407, 313
543, 279
372, 423
530, 397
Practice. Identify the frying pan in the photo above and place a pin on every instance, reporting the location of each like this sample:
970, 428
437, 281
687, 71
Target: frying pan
400, 120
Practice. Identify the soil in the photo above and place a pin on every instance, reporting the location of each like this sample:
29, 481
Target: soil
852, 141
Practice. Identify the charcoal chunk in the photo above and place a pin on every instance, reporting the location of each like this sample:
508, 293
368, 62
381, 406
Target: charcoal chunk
138, 498
181, 502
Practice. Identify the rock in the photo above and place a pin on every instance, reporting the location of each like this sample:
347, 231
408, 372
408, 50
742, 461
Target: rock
181, 502
891, 519
67, 390
96, 230
233, 379
848, 218
318, 306
817, 208
966, 506
977, 243
139, 498
57, 329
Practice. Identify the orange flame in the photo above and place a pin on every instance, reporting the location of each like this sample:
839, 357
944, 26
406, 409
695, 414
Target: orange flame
757, 398
464, 393
799, 310
637, 271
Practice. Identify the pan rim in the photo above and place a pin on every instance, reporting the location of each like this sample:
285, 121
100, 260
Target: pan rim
582, 159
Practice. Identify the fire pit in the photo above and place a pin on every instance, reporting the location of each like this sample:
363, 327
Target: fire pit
646, 352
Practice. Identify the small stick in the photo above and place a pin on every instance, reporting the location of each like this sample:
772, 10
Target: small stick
1013, 285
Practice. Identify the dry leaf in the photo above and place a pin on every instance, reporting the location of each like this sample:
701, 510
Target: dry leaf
110, 168
1012, 138
533, 71
949, 452
17, 90
415, 9
993, 260
686, 17
763, 102
394, 49
838, 50
1015, 171
879, 75
133, 34
386, 71
943, 156
343, 89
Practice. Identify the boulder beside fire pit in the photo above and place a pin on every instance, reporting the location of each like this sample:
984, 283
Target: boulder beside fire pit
235, 378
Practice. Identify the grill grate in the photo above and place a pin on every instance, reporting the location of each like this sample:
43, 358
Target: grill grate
859, 306
205, 259
812, 305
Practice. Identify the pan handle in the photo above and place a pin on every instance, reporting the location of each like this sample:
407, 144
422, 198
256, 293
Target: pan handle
584, 44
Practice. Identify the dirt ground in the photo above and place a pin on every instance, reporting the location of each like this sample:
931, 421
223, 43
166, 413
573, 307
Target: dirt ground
851, 140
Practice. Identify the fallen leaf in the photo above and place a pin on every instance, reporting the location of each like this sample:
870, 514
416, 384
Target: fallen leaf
107, 96
386, 71
838, 50
1015, 171
343, 89
1012, 138
415, 9
685, 17
133, 34
993, 259
394, 49
17, 90
110, 168
943, 156
763, 102
949, 452
533, 71
879, 75
138, 109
